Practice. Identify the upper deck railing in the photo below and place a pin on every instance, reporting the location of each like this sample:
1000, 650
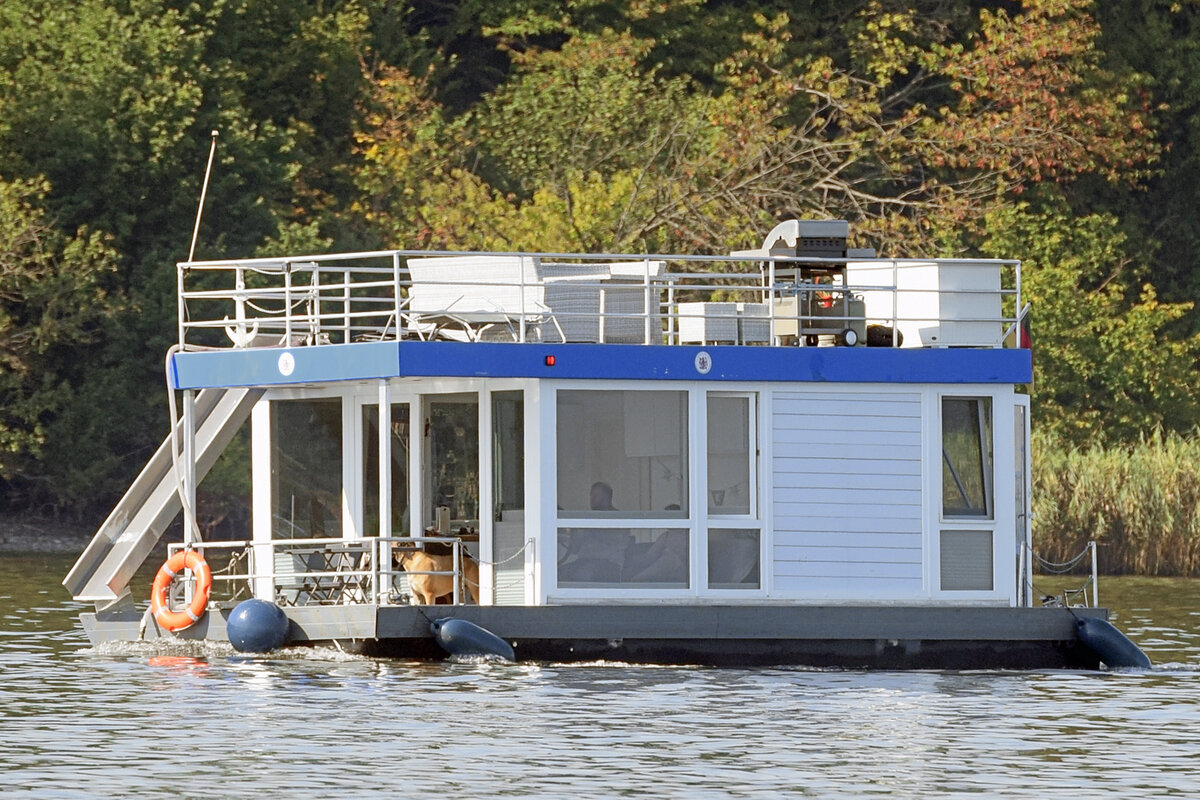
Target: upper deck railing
600, 298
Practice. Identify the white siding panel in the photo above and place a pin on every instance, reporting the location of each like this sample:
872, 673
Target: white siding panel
854, 403
835, 537
829, 438
864, 422
822, 569
852, 455
796, 526
893, 553
820, 586
862, 480
847, 495
814, 465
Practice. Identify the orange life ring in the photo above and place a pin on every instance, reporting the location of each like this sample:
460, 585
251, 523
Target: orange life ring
178, 620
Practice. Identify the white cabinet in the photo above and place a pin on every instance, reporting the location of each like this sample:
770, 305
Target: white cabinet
937, 304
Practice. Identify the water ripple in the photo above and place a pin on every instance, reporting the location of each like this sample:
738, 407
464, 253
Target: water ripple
139, 719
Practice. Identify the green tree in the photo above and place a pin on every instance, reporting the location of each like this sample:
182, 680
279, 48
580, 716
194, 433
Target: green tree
52, 298
914, 141
589, 124
1160, 39
1108, 365
113, 103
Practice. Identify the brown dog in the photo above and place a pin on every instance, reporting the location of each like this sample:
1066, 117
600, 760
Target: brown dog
428, 588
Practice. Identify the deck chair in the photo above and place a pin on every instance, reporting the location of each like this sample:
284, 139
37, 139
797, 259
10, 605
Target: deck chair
294, 583
465, 297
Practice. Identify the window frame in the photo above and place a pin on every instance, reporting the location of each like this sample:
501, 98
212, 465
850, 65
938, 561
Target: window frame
753, 462
987, 455
621, 516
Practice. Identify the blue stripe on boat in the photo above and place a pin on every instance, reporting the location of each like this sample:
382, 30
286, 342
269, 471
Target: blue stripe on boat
263, 366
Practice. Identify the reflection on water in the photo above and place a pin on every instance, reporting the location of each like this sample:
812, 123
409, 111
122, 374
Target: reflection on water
198, 719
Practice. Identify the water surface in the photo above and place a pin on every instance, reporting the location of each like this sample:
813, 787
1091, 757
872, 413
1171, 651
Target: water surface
204, 721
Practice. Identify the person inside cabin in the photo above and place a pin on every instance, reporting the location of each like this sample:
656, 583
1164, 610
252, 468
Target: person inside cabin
596, 555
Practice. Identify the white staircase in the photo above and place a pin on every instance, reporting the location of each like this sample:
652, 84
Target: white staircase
102, 573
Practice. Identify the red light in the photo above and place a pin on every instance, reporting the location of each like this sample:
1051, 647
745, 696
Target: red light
549, 361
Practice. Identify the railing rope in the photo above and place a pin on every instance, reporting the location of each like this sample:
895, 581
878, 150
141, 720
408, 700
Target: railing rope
1068, 566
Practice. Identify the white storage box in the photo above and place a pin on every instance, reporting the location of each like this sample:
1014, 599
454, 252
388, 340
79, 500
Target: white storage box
938, 303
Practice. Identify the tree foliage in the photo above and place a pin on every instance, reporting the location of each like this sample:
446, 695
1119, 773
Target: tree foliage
1106, 363
1024, 129
52, 299
907, 139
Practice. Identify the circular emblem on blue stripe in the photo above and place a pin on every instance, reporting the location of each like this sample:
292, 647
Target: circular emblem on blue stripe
703, 362
287, 363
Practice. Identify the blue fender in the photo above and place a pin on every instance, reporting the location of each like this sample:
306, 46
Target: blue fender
458, 637
1114, 648
257, 626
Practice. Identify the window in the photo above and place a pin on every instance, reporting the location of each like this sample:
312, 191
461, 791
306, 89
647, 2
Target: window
622, 454
399, 452
610, 557
508, 497
452, 471
733, 559
306, 468
730, 488
967, 457
508, 454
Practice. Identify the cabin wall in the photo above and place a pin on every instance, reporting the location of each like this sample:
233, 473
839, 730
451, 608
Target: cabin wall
847, 494
862, 505
841, 489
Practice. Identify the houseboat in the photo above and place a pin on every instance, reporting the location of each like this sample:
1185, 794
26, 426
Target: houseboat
798, 454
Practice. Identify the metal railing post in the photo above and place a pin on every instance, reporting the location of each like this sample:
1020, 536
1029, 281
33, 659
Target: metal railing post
346, 306
313, 310
396, 293
1021, 581
770, 298
182, 304
384, 443
287, 304
672, 314
1017, 304
520, 338
603, 313
1095, 575
646, 298
457, 552
895, 303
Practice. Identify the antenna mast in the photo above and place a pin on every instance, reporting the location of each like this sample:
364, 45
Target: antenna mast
203, 192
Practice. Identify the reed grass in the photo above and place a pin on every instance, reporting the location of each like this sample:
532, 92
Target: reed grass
1140, 502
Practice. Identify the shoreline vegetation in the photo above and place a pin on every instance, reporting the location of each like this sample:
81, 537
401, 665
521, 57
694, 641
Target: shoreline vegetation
1140, 502
26, 534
